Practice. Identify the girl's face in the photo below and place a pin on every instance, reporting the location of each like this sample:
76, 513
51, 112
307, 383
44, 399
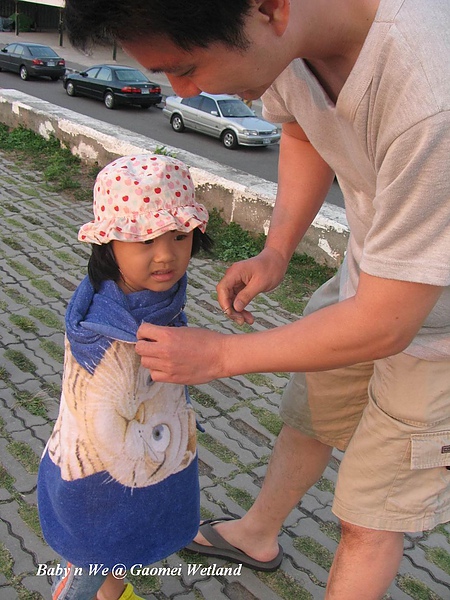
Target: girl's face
154, 265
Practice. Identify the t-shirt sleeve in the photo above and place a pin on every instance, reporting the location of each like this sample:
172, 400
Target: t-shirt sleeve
409, 238
274, 107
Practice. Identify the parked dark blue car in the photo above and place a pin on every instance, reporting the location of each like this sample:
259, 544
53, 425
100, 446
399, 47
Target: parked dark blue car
114, 85
34, 60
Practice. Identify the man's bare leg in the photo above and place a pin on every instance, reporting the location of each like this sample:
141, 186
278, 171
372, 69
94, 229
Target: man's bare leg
297, 462
365, 564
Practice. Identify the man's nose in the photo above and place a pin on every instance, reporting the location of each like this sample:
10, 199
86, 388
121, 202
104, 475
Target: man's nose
183, 86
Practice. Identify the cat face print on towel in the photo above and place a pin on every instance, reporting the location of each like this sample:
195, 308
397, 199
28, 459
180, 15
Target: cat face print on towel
119, 421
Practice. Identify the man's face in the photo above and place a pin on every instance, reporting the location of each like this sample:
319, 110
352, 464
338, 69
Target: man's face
217, 69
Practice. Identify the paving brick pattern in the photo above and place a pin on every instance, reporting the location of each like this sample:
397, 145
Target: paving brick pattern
40, 265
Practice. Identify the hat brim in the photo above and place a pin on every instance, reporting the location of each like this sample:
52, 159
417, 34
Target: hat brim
139, 228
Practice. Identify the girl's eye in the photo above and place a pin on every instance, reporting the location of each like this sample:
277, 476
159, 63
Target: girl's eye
148, 242
180, 237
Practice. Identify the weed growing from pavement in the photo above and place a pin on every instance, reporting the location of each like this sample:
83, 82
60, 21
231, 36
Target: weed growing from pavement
314, 551
47, 317
415, 588
25, 455
439, 557
33, 403
65, 172
21, 361
24, 323
54, 350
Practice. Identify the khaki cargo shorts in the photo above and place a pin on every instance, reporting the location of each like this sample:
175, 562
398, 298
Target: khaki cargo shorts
392, 418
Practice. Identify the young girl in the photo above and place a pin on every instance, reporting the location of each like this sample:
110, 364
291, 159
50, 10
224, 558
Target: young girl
118, 480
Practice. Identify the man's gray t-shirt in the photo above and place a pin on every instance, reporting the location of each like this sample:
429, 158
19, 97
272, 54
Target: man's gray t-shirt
388, 140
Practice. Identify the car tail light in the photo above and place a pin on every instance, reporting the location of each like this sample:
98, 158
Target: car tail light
128, 89
37, 61
156, 90
61, 63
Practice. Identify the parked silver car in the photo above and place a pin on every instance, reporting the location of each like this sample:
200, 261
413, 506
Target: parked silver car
222, 116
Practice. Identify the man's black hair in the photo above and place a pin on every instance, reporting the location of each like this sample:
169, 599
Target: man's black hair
102, 265
187, 23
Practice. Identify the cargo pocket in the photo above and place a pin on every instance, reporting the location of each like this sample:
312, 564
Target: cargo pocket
422, 485
430, 450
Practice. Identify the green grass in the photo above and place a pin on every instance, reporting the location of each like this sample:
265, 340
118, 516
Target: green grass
240, 496
325, 485
33, 403
25, 455
314, 551
439, 557
202, 398
220, 450
285, 586
47, 317
53, 350
24, 323
271, 421
416, 588
21, 361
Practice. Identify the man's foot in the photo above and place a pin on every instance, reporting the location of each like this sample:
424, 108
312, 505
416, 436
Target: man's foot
237, 547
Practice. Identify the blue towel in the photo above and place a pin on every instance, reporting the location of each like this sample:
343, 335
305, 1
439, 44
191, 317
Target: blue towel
94, 319
118, 481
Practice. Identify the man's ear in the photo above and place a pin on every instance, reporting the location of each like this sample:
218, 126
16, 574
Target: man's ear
276, 12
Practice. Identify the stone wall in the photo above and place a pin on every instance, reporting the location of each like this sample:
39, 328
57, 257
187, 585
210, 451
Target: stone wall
240, 197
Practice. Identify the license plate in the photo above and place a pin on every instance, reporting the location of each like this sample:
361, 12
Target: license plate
51, 63
144, 91
266, 141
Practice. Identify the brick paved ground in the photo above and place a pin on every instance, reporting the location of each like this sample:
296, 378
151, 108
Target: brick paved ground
40, 265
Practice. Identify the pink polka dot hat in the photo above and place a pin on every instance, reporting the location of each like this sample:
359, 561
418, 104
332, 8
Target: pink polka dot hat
138, 198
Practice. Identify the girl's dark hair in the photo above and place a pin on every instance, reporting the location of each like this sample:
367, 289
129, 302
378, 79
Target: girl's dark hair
188, 23
102, 264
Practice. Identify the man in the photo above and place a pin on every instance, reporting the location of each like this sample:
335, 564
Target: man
363, 91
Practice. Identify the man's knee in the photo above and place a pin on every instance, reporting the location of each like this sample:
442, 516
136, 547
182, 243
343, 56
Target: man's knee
355, 535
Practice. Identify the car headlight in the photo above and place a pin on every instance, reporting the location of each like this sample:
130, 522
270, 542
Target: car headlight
250, 132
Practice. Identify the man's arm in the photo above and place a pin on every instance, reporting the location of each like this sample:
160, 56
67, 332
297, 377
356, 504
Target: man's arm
304, 180
380, 320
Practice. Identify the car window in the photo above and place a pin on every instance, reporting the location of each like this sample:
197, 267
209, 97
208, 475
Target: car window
131, 75
234, 108
92, 72
11, 48
193, 102
104, 74
42, 51
208, 105
19, 50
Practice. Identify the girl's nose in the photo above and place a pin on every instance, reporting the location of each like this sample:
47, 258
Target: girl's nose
163, 252
183, 86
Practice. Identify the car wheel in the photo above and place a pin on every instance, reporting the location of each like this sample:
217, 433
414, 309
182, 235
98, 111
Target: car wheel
229, 139
70, 89
177, 123
109, 100
23, 72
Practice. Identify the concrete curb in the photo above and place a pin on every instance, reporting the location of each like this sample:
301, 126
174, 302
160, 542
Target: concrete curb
243, 198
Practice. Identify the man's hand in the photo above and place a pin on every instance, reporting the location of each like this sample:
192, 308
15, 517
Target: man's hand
245, 279
180, 354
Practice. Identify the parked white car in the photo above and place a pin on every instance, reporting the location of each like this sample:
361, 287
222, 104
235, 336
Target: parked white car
224, 117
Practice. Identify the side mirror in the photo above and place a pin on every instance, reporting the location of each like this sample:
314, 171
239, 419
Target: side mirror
4, 50
83, 74
214, 113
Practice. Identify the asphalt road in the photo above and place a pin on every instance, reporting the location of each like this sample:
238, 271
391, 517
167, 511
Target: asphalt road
261, 162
